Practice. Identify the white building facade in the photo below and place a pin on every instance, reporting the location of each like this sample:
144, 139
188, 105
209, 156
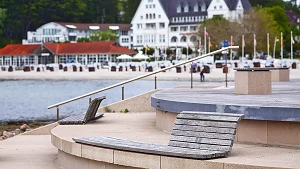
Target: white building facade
62, 32
181, 19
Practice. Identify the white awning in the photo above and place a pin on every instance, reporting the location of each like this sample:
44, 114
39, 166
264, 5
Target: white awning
71, 26
114, 27
94, 27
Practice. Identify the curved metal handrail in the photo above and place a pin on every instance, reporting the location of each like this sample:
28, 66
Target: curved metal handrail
140, 77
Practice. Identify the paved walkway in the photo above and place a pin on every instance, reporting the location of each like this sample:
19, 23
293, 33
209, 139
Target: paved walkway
141, 127
216, 75
28, 152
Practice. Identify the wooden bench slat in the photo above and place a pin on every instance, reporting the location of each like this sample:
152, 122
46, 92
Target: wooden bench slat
200, 140
140, 147
214, 113
203, 135
207, 117
86, 117
204, 129
206, 123
200, 146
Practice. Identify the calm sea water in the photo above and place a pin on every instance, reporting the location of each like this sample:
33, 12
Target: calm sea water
26, 100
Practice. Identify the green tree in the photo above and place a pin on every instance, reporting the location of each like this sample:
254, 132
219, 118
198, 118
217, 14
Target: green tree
150, 51
184, 51
108, 35
83, 39
128, 9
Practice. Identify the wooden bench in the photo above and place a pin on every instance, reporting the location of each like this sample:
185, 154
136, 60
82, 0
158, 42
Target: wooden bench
197, 135
90, 115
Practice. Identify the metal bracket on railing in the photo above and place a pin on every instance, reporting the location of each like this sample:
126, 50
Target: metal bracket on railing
155, 84
57, 113
191, 75
123, 92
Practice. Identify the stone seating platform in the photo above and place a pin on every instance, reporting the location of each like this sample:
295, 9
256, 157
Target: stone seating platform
142, 127
269, 119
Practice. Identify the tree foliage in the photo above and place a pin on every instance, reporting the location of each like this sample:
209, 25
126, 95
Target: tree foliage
28, 15
108, 35
184, 51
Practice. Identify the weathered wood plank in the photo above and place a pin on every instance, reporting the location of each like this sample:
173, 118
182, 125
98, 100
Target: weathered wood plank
140, 147
207, 117
200, 140
200, 146
214, 113
203, 135
205, 129
206, 123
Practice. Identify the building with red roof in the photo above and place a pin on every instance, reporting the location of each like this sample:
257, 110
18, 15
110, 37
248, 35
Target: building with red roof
84, 53
65, 31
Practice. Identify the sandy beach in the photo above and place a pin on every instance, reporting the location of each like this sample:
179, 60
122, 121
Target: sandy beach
216, 75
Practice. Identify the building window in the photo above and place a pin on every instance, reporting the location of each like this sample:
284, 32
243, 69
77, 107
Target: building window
161, 25
150, 0
196, 8
146, 6
193, 28
164, 37
146, 16
124, 33
139, 26
153, 16
183, 28
174, 29
183, 39
174, 39
221, 7
159, 16
178, 9
153, 6
125, 40
141, 17
186, 8
150, 16
150, 6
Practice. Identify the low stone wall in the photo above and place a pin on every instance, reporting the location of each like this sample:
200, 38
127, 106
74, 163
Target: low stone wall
249, 131
44, 130
140, 103
280, 75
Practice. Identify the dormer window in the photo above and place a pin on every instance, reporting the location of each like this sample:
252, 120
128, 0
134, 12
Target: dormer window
196, 8
186, 8
178, 9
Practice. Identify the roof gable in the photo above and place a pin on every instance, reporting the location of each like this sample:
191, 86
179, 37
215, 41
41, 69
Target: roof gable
18, 50
109, 47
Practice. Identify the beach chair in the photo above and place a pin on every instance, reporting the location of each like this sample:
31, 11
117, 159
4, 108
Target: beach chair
90, 115
196, 135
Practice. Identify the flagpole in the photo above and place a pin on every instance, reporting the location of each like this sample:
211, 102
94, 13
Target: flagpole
281, 47
231, 40
254, 44
200, 46
204, 40
274, 52
268, 43
208, 44
187, 50
243, 46
292, 45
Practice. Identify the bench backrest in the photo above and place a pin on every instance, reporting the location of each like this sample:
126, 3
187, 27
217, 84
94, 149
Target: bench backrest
205, 130
93, 108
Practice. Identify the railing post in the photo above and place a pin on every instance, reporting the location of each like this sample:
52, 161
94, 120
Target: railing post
191, 75
123, 92
90, 100
155, 84
57, 113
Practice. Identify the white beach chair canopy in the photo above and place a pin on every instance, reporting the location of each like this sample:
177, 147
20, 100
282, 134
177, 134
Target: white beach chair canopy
140, 55
124, 56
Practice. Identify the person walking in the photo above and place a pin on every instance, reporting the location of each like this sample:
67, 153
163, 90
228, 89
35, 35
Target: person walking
202, 75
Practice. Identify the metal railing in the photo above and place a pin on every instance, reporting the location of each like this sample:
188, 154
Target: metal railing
137, 78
